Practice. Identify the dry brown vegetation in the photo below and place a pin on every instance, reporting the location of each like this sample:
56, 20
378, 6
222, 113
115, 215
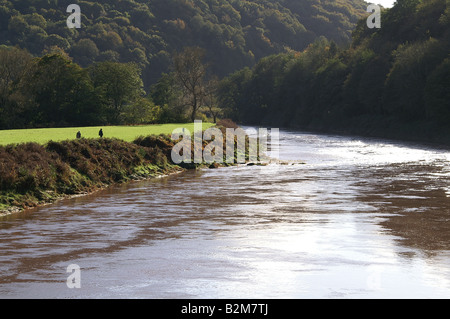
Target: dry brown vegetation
32, 174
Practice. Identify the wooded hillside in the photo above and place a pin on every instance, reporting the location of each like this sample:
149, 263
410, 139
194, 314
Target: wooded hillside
392, 82
234, 33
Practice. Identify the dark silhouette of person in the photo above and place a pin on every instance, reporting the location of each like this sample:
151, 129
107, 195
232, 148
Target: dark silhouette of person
100, 133
78, 134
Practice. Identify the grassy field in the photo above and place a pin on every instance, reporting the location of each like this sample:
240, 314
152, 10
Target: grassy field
126, 133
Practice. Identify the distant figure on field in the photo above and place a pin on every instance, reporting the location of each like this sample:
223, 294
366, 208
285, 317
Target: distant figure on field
78, 134
100, 133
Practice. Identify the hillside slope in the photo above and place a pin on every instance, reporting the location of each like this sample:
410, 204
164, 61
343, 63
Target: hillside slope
235, 33
392, 82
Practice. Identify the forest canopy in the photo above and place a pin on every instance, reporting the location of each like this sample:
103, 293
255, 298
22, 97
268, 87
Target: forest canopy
288, 63
391, 82
233, 33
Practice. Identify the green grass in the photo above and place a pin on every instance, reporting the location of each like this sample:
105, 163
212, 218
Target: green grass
126, 133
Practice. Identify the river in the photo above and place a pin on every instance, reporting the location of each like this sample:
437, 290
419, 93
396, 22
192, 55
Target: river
343, 218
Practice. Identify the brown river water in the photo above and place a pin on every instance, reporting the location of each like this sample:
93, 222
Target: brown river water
360, 218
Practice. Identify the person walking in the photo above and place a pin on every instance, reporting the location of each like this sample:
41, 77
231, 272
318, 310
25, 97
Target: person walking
78, 135
100, 133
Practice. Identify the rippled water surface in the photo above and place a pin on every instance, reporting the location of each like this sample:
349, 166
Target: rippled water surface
359, 219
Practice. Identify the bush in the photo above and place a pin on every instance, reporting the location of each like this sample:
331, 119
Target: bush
227, 123
30, 168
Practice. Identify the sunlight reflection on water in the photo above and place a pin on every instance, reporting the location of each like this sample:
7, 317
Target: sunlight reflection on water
360, 218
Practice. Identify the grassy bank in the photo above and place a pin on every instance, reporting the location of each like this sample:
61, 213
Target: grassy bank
125, 133
33, 174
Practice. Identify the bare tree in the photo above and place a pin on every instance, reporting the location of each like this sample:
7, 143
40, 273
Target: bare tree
190, 73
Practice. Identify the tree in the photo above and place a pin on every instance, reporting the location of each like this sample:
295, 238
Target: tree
15, 66
62, 93
211, 98
18, 26
119, 84
57, 40
164, 91
14, 63
190, 74
142, 111
437, 94
232, 94
85, 51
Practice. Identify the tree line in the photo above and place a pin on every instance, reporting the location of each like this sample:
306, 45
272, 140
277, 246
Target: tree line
393, 81
234, 33
53, 91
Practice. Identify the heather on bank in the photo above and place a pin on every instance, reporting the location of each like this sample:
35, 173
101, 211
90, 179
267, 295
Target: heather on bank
30, 168
31, 174
106, 160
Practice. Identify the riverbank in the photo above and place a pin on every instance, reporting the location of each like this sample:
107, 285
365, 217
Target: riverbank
32, 174
419, 132
424, 134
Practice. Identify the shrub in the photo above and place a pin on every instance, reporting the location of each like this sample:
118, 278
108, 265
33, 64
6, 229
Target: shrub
227, 123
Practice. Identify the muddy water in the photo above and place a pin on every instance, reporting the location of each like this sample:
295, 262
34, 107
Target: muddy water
360, 219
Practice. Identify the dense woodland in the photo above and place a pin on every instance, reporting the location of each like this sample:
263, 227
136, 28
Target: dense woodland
233, 33
120, 67
286, 63
392, 82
